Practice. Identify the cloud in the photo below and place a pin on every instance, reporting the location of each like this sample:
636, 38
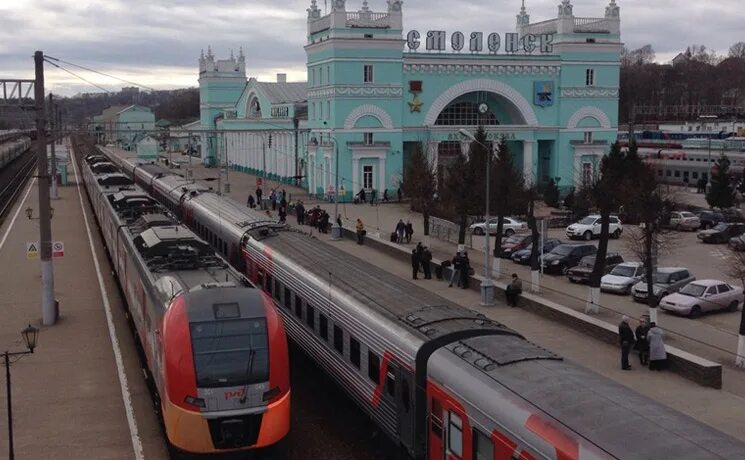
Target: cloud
157, 42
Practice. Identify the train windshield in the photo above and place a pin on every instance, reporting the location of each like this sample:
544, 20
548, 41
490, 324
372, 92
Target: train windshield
230, 352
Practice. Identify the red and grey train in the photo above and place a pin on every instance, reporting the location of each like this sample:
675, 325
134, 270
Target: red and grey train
440, 380
215, 347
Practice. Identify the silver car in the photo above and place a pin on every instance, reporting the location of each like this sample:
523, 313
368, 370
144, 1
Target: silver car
622, 277
703, 296
684, 220
666, 281
509, 226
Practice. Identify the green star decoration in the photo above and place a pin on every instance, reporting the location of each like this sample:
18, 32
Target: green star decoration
415, 105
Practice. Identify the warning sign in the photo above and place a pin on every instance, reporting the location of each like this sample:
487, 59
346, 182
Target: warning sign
341, 190
58, 249
32, 250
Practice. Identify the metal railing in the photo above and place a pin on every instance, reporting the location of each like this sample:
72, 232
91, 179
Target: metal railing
445, 230
591, 25
320, 24
367, 19
543, 27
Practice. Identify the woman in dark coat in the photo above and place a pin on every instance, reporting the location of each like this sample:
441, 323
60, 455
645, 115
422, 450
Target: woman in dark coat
642, 342
465, 267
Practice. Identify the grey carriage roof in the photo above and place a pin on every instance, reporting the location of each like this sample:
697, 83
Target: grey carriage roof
591, 405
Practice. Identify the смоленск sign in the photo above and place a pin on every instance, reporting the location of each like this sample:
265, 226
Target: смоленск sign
437, 39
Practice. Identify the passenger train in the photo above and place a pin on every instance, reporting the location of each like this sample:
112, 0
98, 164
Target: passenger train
215, 347
12, 149
440, 380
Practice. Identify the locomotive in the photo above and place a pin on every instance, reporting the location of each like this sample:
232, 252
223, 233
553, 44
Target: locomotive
215, 347
442, 381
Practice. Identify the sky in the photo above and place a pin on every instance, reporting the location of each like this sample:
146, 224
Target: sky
156, 43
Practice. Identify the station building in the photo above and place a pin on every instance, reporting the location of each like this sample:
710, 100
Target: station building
373, 92
123, 124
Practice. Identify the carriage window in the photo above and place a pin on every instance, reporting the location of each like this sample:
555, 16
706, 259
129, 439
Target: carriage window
390, 384
277, 287
323, 326
455, 434
436, 418
299, 309
298, 302
373, 366
268, 285
482, 446
310, 316
288, 299
354, 352
338, 339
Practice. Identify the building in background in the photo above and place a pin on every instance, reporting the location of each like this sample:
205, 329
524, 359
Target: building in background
374, 92
123, 125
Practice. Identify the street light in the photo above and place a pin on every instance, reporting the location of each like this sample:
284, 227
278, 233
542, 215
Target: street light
30, 334
487, 286
336, 229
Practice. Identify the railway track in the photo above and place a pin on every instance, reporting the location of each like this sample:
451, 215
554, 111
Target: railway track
13, 179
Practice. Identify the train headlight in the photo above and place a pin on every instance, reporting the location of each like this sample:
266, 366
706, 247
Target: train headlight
198, 402
271, 394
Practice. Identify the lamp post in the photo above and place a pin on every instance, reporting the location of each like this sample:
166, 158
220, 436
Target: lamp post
487, 285
335, 227
30, 334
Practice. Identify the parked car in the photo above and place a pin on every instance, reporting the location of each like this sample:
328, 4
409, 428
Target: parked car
737, 243
667, 280
589, 228
684, 220
703, 296
523, 255
721, 233
509, 227
622, 277
514, 243
709, 219
565, 256
583, 271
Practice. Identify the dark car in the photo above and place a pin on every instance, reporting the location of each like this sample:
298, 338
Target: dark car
565, 256
722, 232
583, 271
523, 255
513, 243
709, 219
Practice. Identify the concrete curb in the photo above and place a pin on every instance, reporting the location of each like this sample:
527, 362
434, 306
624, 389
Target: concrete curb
702, 371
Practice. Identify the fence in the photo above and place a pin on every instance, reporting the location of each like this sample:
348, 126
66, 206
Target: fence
447, 231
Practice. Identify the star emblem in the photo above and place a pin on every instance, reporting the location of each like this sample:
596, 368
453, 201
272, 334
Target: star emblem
415, 105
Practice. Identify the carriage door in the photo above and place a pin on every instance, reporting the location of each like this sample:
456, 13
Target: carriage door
404, 406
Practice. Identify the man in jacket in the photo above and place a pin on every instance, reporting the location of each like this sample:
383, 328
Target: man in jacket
626, 337
513, 290
400, 229
642, 341
455, 276
426, 266
415, 260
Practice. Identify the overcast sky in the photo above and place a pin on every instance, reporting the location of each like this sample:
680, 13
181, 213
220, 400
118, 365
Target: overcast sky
157, 42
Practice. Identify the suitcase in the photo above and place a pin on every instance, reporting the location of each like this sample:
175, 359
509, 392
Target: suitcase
394, 237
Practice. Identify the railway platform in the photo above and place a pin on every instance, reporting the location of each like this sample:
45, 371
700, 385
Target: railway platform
75, 396
721, 409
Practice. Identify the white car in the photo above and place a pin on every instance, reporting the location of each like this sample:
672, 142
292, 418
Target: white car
509, 227
702, 296
684, 220
622, 278
589, 228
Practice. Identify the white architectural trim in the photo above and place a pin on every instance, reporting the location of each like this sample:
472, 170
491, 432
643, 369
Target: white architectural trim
492, 86
371, 110
592, 112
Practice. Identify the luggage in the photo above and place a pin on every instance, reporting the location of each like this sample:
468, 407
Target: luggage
394, 237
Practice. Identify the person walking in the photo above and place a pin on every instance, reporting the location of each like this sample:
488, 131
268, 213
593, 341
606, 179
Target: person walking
300, 213
426, 263
657, 353
385, 195
514, 289
338, 221
373, 192
251, 203
455, 274
465, 269
282, 215
642, 342
400, 231
273, 199
626, 338
398, 192
362, 196
360, 227
415, 260
259, 192
409, 231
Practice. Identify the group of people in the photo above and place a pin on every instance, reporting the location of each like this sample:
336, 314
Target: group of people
316, 217
461, 266
276, 199
647, 340
701, 185
421, 257
363, 198
403, 232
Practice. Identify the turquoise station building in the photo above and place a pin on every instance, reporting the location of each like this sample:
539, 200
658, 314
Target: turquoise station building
374, 91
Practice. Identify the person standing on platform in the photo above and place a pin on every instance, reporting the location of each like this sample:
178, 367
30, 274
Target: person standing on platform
409, 231
282, 215
362, 196
373, 193
642, 341
273, 199
338, 221
360, 227
385, 196
300, 213
415, 260
626, 338
514, 289
251, 203
657, 353
400, 231
465, 269
398, 192
426, 263
455, 275
259, 192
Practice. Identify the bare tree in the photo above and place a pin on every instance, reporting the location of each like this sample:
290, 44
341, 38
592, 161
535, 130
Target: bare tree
531, 196
737, 50
507, 187
420, 184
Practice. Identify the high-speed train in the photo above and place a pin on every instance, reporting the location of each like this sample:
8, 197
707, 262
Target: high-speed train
440, 380
215, 347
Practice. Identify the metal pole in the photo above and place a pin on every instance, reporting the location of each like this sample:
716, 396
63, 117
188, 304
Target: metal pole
52, 126
487, 286
45, 224
10, 407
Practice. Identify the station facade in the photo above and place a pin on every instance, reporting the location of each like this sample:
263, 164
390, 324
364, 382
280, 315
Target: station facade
374, 93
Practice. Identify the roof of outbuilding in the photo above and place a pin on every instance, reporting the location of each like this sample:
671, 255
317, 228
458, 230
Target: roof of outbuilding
284, 93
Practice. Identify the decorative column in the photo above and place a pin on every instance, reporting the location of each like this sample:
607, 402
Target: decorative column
577, 170
529, 162
565, 24
381, 175
523, 19
355, 175
613, 17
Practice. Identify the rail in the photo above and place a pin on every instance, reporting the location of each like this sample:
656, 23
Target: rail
15, 185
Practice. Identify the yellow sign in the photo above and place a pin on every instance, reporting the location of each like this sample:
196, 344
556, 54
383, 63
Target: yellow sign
32, 250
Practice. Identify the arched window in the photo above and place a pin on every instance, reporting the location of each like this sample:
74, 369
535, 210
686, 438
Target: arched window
465, 113
254, 108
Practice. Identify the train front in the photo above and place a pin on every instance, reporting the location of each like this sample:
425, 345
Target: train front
225, 371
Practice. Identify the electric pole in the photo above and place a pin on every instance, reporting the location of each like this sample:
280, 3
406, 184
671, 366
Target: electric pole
53, 132
45, 225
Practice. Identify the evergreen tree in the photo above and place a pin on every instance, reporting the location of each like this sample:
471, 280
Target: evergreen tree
721, 193
507, 187
420, 184
551, 194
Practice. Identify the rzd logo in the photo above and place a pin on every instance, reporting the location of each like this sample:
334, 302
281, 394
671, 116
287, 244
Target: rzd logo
234, 394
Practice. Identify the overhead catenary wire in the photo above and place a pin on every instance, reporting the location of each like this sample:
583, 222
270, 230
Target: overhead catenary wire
77, 76
47, 57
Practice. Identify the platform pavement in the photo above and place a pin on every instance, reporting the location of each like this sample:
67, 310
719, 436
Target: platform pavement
67, 399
